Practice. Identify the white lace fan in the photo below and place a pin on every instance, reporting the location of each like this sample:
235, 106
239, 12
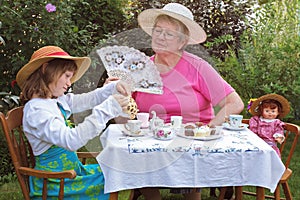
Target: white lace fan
133, 67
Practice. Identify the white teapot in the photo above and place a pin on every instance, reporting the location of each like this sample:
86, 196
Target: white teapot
155, 122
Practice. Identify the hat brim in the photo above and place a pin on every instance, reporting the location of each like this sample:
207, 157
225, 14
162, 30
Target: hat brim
254, 109
147, 18
82, 63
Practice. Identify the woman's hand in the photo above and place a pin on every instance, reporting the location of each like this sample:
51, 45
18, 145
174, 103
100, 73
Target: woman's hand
231, 104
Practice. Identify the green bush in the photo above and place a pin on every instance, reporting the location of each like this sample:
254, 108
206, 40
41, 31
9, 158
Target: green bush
76, 26
6, 173
269, 59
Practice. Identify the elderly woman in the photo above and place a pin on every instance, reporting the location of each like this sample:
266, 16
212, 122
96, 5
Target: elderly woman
191, 87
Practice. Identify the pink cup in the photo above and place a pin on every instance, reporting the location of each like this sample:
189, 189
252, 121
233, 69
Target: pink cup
144, 117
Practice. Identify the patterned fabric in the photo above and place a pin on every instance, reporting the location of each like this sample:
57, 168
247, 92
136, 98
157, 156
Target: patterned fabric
88, 184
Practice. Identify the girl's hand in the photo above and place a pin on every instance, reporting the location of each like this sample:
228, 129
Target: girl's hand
123, 101
123, 88
110, 79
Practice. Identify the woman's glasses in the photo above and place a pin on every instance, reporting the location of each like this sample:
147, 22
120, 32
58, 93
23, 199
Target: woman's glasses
168, 35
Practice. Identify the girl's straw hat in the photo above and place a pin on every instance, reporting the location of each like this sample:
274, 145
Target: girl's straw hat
46, 54
254, 109
147, 18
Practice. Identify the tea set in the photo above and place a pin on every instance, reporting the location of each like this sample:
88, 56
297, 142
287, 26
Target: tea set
155, 125
162, 131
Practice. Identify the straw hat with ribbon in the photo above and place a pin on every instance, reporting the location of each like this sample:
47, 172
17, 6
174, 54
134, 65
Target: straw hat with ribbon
46, 54
255, 107
147, 18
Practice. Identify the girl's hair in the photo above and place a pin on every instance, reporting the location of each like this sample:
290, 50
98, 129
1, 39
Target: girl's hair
185, 33
270, 103
38, 82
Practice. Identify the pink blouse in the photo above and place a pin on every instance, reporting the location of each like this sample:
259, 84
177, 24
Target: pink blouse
190, 89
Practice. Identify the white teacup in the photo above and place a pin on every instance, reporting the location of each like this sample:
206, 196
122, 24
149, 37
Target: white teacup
235, 120
176, 121
144, 117
133, 126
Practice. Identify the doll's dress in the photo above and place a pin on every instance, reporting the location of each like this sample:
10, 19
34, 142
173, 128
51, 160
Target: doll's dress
266, 129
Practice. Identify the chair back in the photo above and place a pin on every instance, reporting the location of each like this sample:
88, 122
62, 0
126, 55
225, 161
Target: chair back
19, 148
291, 133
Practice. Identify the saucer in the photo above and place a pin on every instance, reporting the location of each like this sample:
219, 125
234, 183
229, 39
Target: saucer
242, 127
127, 133
145, 125
163, 138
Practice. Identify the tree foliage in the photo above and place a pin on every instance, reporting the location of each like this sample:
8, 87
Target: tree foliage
269, 58
76, 26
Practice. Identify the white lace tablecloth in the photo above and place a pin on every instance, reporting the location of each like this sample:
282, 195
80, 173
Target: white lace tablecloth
238, 158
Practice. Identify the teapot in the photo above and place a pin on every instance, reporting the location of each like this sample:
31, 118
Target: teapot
155, 122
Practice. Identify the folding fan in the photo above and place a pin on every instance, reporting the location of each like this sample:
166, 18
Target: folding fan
133, 67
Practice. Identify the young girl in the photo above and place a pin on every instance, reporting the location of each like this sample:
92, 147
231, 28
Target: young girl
266, 123
44, 80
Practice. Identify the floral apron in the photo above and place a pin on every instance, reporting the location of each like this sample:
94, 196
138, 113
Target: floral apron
88, 184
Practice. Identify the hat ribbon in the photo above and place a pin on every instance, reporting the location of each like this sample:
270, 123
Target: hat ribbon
58, 54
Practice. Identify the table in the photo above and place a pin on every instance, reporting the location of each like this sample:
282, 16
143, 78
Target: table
239, 158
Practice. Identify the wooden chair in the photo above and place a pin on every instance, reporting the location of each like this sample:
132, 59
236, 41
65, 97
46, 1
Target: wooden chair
292, 131
24, 161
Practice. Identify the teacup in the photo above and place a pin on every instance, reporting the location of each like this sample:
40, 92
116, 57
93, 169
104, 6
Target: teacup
235, 121
144, 117
164, 133
133, 126
176, 121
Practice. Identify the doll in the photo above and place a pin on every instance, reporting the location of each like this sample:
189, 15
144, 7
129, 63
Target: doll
267, 111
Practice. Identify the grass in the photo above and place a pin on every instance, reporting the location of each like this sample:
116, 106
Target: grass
12, 191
